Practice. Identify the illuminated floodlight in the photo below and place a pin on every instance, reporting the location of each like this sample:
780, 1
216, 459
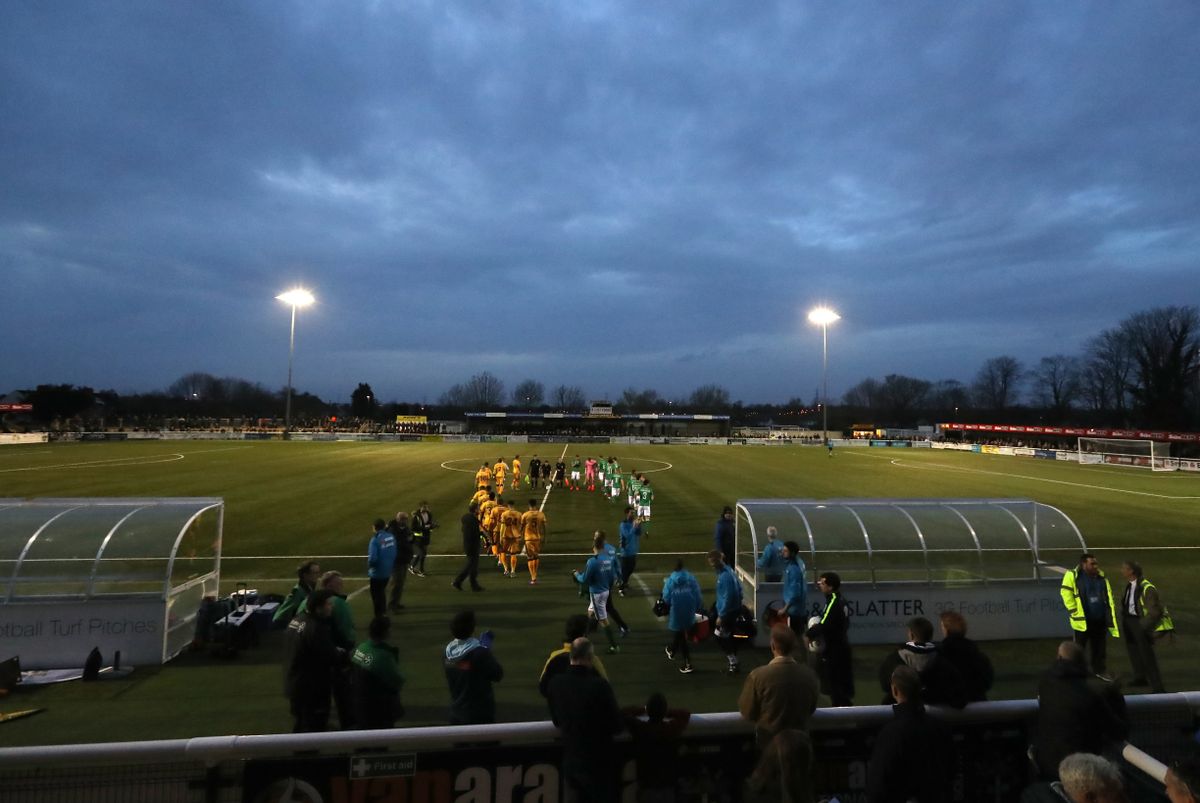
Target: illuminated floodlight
823, 316
295, 298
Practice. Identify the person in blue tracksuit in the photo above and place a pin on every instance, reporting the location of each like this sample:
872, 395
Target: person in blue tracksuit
630, 540
727, 607
598, 576
795, 589
619, 580
682, 591
381, 559
770, 562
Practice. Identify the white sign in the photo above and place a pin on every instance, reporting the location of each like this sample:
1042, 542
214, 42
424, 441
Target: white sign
1011, 610
60, 634
23, 437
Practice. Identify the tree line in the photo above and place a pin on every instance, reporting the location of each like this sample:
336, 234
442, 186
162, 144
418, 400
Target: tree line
1145, 371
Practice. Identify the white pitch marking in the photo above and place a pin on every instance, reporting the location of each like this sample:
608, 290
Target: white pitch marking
943, 467
446, 464
665, 466
142, 460
551, 483
646, 590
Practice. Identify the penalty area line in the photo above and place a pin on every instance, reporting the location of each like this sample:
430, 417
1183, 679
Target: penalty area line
901, 463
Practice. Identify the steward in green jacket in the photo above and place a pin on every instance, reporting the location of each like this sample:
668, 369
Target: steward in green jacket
307, 576
377, 679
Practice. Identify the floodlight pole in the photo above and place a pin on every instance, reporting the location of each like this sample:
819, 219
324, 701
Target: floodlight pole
287, 414
298, 297
823, 316
824, 379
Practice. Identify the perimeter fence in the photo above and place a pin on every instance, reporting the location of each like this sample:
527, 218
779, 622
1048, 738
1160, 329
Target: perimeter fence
521, 761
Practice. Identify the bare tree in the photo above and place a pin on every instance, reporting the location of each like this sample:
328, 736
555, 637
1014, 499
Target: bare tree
709, 398
363, 403
634, 400
568, 398
196, 386
1108, 366
865, 394
455, 396
901, 394
528, 394
948, 395
1165, 345
483, 391
997, 385
1056, 382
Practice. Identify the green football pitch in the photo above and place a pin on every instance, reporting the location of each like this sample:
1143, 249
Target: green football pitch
291, 500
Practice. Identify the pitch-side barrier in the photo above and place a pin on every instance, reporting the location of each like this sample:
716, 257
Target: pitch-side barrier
490, 762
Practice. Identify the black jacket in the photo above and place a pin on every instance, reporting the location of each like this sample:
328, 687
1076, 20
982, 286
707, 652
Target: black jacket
470, 534
1077, 713
973, 666
940, 680
422, 524
583, 706
312, 656
404, 546
471, 669
913, 759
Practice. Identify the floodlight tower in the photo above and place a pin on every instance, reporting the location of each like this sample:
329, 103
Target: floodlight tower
823, 316
296, 297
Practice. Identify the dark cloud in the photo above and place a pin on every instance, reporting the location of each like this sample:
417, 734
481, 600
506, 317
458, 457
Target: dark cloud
596, 193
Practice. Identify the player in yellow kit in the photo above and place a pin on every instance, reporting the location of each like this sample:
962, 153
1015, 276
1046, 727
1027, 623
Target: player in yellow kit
487, 515
499, 471
483, 477
534, 523
516, 465
510, 541
495, 528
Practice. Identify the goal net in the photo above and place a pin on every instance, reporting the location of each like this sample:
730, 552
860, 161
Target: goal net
1149, 454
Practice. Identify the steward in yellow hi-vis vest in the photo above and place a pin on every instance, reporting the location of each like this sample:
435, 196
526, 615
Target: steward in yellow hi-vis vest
1145, 620
1088, 598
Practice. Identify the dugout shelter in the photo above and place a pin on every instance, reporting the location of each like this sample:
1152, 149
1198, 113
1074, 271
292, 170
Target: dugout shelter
998, 562
117, 574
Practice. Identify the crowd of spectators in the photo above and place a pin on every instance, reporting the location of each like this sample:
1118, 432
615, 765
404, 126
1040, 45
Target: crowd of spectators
1075, 753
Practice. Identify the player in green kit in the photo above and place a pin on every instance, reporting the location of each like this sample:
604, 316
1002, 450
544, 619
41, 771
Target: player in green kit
620, 480
633, 485
576, 474
645, 498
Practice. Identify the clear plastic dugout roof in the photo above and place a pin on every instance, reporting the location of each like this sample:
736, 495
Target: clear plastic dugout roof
914, 540
96, 548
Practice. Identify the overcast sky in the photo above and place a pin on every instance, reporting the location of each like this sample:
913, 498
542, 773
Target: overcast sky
590, 193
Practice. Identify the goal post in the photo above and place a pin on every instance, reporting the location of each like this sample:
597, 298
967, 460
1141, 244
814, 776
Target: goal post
1131, 452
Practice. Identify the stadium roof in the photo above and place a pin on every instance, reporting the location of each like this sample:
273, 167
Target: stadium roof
589, 417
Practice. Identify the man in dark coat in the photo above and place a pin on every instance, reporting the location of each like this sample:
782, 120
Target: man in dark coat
584, 708
471, 669
724, 537
402, 530
1077, 712
973, 666
312, 659
470, 544
941, 683
832, 633
913, 755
